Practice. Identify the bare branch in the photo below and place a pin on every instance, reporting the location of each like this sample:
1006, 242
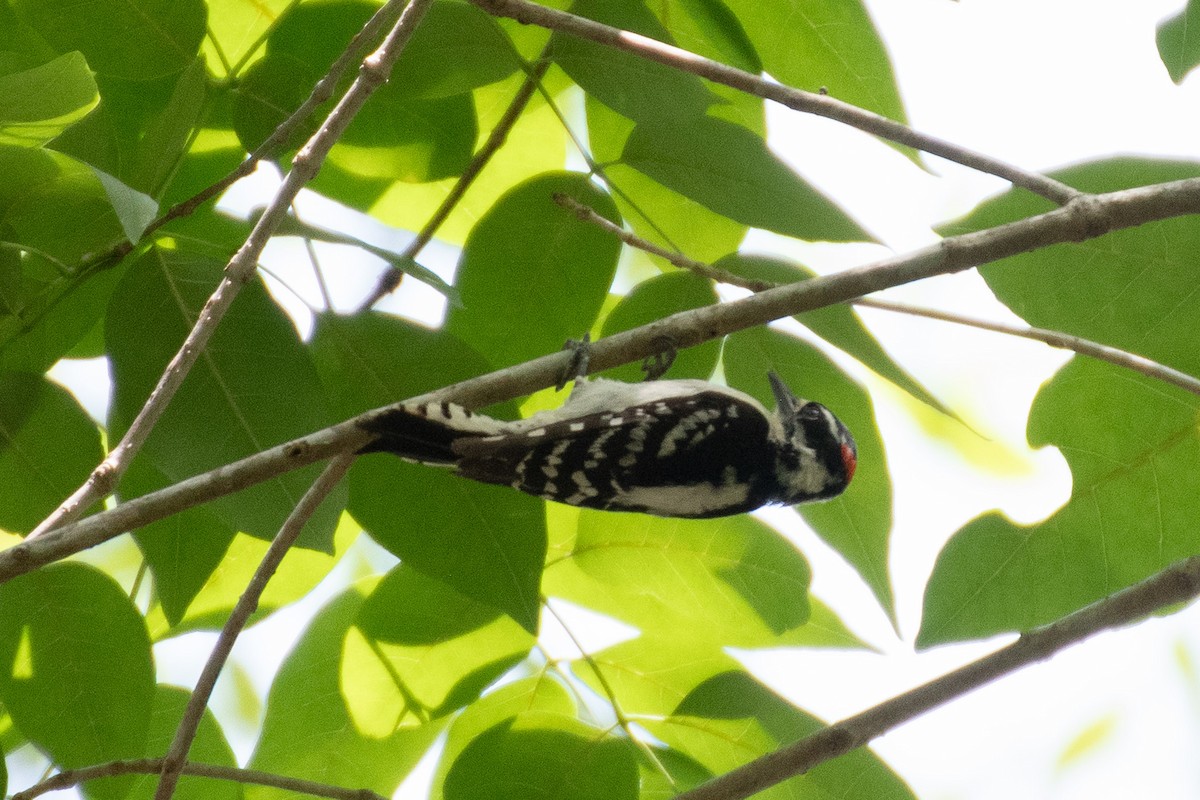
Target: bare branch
1065, 341
176, 757
150, 766
1087, 347
240, 268
1083, 218
808, 102
1176, 584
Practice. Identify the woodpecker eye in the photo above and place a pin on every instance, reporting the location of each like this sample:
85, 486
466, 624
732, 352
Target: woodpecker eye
810, 412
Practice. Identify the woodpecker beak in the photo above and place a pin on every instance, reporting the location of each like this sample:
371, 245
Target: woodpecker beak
785, 401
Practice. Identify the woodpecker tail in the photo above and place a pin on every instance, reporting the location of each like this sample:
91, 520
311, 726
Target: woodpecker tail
426, 433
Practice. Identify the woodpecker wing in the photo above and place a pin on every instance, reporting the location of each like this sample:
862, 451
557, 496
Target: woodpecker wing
685, 455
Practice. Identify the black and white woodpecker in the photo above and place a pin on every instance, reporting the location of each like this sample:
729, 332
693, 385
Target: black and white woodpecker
672, 448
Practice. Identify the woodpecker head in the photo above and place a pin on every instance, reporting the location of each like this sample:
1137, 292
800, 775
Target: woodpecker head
820, 456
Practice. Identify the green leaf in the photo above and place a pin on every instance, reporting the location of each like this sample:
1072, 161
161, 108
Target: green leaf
540, 695
1178, 47
236, 29
547, 271
652, 674
134, 39
830, 44
374, 359
731, 718
858, 522
728, 581
685, 774
53, 317
38, 190
414, 140
209, 606
457, 48
661, 215
77, 679
536, 144
730, 170
209, 747
540, 759
48, 447
660, 297
169, 134
38, 103
635, 87
1131, 444
487, 542
135, 210
253, 388
836, 324
182, 550
421, 650
709, 28
1109, 289
308, 732
401, 134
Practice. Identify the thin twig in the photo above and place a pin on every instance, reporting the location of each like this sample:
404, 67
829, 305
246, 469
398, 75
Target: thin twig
176, 757
1087, 347
499, 135
1177, 583
808, 102
151, 766
107, 474
588, 214
1065, 341
1082, 219
623, 722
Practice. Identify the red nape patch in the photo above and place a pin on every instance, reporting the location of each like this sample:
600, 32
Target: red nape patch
850, 460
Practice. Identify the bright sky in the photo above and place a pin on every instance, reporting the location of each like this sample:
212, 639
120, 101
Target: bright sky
1039, 84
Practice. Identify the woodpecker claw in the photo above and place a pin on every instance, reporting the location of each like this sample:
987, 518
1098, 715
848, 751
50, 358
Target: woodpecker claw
656, 366
577, 368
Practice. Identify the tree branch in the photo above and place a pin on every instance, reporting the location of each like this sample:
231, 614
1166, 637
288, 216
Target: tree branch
176, 757
241, 267
151, 766
808, 102
1176, 584
1065, 341
1084, 218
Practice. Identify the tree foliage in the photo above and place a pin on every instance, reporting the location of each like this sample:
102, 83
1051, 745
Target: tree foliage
120, 121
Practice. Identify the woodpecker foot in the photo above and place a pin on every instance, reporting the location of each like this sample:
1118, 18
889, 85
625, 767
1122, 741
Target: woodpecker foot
656, 366
577, 368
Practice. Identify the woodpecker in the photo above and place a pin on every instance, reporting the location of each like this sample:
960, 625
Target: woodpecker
671, 448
